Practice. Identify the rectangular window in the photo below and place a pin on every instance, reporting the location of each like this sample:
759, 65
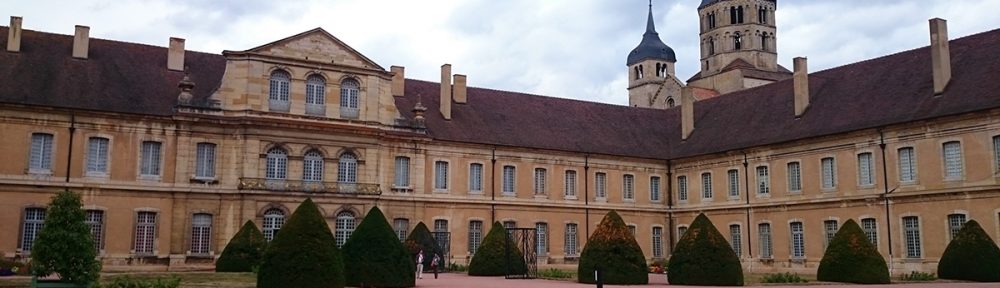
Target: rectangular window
541, 238
508, 180
145, 233
402, 172
95, 220
201, 234
509, 224
657, 242
829, 173
150, 154
570, 189
871, 230
735, 239
794, 177
401, 226
475, 235
628, 187
798, 240
911, 230
570, 245
631, 229
907, 165
681, 231
41, 153
600, 185
734, 183
706, 185
205, 161
440, 175
952, 160
682, 188
955, 223
866, 175
763, 181
440, 225
476, 177
654, 188
540, 174
996, 152
830, 229
34, 219
764, 237
97, 156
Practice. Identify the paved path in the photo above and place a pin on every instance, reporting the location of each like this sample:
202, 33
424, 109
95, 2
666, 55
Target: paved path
451, 280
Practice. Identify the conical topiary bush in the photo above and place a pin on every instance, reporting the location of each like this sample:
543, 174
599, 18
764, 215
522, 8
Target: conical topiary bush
612, 247
971, 256
850, 257
490, 260
243, 251
65, 245
704, 257
420, 239
376, 257
304, 254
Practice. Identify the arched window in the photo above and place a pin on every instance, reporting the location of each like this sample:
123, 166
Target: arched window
737, 41
344, 227
349, 98
732, 15
273, 219
762, 15
277, 164
312, 169
347, 168
670, 102
315, 95
739, 14
763, 41
711, 46
201, 234
278, 92
639, 76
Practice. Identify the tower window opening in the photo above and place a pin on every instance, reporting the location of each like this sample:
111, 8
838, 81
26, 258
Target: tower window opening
762, 15
640, 72
763, 41
739, 14
636, 72
670, 102
711, 46
732, 15
711, 20
661, 71
737, 41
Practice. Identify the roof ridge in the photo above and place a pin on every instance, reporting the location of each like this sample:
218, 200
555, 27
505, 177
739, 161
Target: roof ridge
112, 41
529, 94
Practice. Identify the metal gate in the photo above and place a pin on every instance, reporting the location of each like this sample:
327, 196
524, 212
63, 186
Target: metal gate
521, 241
443, 240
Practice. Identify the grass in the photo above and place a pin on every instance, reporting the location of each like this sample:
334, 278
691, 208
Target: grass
188, 279
556, 274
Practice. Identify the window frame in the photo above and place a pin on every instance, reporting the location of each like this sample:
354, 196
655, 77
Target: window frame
763, 179
910, 164
870, 226
828, 173
344, 225
348, 165
912, 242
273, 219
401, 176
794, 170
953, 166
569, 182
475, 236
96, 225
276, 164
40, 154
736, 239
204, 165
628, 187
733, 175
706, 187
541, 181
682, 189
571, 241
201, 235
98, 163
508, 186
657, 241
279, 90
655, 184
541, 239
476, 178
151, 160
312, 166
765, 240
32, 222
797, 251
350, 99
870, 175
315, 103
145, 233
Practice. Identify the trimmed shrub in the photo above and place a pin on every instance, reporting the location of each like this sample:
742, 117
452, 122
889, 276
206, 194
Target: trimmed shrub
704, 257
490, 260
971, 256
304, 254
786, 277
375, 257
420, 239
613, 249
850, 257
130, 282
64, 245
917, 276
243, 252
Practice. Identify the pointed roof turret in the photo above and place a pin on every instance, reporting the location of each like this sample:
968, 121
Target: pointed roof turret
651, 46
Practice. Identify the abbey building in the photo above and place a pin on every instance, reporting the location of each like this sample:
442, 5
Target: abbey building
173, 149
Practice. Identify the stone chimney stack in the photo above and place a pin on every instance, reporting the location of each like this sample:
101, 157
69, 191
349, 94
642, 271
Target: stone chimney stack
800, 80
446, 91
14, 35
940, 54
687, 112
175, 54
81, 42
398, 78
460, 90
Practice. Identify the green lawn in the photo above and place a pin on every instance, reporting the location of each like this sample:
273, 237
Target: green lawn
188, 279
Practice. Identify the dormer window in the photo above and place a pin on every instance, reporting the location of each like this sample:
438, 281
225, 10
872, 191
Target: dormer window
278, 92
349, 99
316, 95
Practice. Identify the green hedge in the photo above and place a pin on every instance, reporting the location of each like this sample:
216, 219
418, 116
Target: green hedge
971, 256
703, 257
65, 245
303, 255
851, 258
244, 251
490, 259
613, 249
375, 256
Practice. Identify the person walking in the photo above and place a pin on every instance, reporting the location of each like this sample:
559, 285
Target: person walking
434, 265
420, 264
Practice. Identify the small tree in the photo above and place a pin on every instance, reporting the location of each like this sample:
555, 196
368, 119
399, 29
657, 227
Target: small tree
244, 251
971, 255
420, 239
491, 258
304, 254
704, 257
376, 257
65, 245
613, 249
850, 257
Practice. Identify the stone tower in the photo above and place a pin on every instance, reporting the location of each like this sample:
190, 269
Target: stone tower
651, 80
738, 47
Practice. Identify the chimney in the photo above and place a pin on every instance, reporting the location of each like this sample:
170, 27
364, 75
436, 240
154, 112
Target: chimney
800, 80
81, 42
940, 54
175, 54
446, 91
687, 112
14, 34
397, 80
460, 96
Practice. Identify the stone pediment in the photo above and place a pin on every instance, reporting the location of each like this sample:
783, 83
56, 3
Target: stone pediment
316, 45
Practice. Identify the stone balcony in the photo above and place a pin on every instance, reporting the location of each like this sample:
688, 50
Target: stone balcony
309, 186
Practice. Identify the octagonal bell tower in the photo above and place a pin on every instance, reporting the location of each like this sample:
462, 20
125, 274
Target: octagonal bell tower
651, 79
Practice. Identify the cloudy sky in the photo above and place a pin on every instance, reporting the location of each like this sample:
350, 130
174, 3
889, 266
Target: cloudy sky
563, 48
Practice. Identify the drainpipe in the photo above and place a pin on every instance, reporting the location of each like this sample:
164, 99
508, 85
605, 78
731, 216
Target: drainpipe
670, 207
885, 186
69, 158
586, 195
493, 186
746, 177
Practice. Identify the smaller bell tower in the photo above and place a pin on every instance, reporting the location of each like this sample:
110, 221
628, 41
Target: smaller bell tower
651, 79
